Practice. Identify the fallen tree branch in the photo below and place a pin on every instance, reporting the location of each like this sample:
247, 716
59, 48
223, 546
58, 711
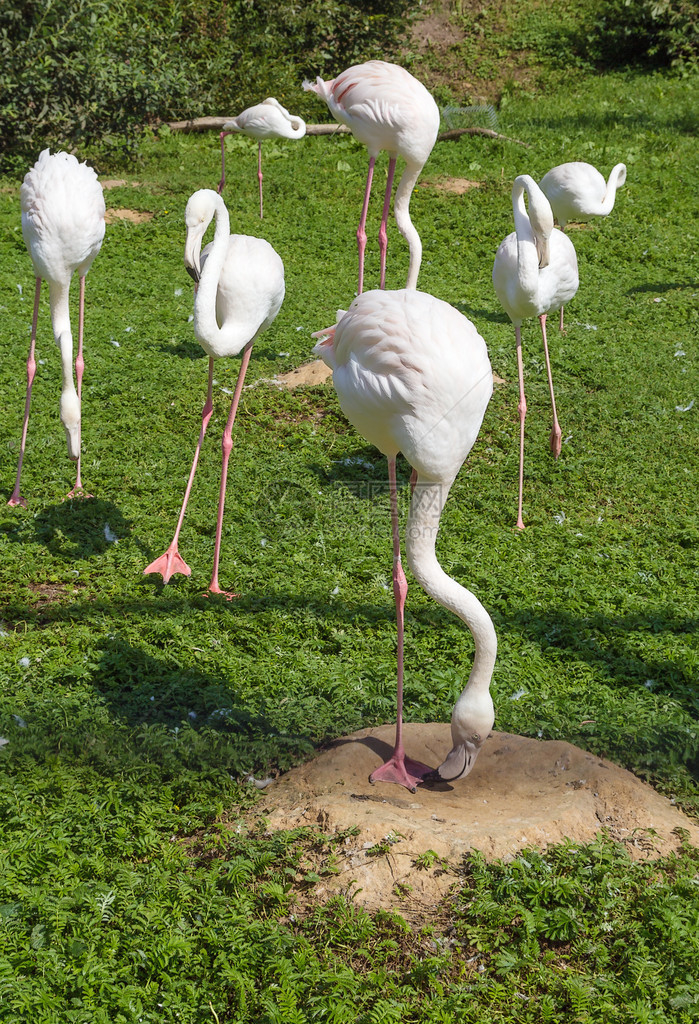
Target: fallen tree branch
455, 133
207, 124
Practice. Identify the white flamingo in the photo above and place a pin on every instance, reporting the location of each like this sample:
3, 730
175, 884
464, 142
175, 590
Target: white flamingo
412, 375
63, 227
240, 291
266, 120
535, 272
386, 108
577, 191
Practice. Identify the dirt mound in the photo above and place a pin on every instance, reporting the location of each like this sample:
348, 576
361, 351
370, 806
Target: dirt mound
521, 793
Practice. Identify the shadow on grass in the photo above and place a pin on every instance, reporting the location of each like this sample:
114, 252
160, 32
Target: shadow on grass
477, 315
183, 349
78, 528
163, 721
610, 645
364, 466
166, 713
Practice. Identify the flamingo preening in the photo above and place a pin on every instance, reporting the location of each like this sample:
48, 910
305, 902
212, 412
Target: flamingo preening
266, 120
535, 271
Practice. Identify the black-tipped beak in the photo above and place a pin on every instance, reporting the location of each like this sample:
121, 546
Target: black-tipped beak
193, 273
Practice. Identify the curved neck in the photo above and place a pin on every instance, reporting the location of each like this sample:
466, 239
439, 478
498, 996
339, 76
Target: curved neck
421, 537
206, 326
224, 338
615, 180
60, 322
401, 211
527, 254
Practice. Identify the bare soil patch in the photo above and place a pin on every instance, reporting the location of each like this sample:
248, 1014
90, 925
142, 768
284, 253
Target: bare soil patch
53, 593
457, 185
316, 372
135, 216
119, 183
521, 793
442, 40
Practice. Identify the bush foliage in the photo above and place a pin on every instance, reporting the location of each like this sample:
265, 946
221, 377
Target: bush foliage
96, 72
93, 73
661, 32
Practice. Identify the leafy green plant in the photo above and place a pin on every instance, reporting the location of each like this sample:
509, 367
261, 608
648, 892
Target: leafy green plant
138, 879
100, 73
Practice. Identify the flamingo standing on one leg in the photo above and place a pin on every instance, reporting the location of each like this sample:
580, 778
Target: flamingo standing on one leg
386, 108
240, 291
266, 120
63, 227
412, 375
577, 191
535, 271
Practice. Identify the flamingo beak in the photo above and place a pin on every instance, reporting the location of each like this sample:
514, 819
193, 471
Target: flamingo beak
192, 250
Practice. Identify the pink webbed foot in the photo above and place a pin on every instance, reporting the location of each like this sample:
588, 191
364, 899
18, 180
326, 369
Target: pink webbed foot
402, 770
169, 564
78, 492
17, 499
215, 589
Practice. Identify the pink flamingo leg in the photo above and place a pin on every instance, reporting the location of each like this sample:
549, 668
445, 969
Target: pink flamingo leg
361, 230
522, 408
555, 438
226, 446
399, 768
172, 562
259, 172
78, 491
16, 498
560, 320
383, 233
222, 182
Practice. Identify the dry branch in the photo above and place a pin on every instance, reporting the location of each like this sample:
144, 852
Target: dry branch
205, 124
455, 133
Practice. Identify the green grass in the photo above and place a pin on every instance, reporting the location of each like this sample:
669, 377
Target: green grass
134, 884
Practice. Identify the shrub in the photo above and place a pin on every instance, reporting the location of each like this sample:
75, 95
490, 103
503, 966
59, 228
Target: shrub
662, 32
77, 72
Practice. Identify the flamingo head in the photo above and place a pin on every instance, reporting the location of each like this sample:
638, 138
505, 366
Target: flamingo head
198, 214
541, 220
471, 721
70, 418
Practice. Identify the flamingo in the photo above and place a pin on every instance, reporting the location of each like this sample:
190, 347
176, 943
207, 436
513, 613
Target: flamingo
386, 108
577, 191
240, 289
412, 375
535, 271
63, 227
266, 120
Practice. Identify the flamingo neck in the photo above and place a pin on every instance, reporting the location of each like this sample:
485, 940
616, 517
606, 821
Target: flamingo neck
60, 322
615, 180
401, 211
527, 256
421, 537
216, 339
